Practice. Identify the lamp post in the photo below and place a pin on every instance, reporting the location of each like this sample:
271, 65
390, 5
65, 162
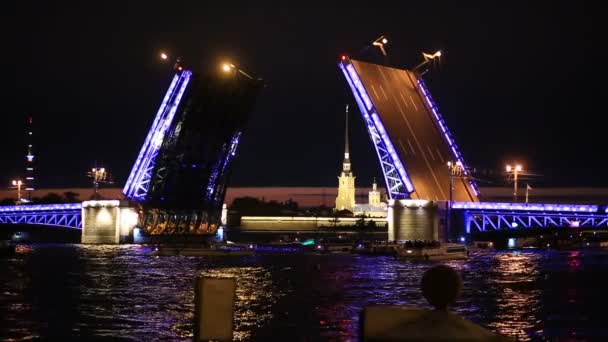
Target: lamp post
98, 174
228, 67
380, 42
17, 183
455, 169
515, 170
427, 58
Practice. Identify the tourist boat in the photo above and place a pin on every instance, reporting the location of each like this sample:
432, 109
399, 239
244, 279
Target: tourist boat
376, 248
448, 251
204, 251
334, 248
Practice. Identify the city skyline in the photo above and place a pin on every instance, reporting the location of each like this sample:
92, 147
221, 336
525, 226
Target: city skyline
501, 91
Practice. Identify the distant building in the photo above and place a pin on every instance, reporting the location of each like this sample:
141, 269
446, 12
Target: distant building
375, 207
346, 181
374, 196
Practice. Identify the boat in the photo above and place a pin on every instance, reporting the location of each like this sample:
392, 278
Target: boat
448, 251
193, 251
334, 248
376, 248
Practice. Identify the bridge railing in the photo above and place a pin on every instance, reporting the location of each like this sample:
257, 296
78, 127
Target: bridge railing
495, 216
67, 215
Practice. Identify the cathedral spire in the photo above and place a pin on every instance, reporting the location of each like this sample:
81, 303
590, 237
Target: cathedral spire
346, 180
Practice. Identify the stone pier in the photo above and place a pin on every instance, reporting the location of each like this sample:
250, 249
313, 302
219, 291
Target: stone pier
416, 220
107, 222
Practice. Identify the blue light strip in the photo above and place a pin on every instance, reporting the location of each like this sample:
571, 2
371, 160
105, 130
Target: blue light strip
483, 220
141, 174
40, 207
220, 169
579, 208
444, 129
367, 109
62, 215
146, 144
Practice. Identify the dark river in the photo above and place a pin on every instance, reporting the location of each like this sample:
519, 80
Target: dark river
62, 291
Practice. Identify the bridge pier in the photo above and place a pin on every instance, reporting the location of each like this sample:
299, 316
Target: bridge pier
416, 220
107, 222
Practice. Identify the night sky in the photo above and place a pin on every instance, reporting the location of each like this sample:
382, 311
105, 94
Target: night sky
516, 82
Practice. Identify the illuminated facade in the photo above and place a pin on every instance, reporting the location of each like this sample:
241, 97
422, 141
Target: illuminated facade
374, 196
179, 177
346, 180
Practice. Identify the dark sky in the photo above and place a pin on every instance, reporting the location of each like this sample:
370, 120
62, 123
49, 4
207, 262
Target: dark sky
517, 81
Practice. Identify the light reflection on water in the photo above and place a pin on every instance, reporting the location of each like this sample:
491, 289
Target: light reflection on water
85, 292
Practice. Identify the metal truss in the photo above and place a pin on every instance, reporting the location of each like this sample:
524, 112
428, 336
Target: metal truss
398, 183
138, 182
444, 129
483, 220
391, 176
214, 188
62, 215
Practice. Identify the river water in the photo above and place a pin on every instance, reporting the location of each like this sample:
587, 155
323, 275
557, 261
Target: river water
63, 291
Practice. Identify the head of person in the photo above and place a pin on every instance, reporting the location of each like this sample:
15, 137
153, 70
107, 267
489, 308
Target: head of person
441, 286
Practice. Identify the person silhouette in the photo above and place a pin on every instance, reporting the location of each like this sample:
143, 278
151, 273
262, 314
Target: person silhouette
441, 286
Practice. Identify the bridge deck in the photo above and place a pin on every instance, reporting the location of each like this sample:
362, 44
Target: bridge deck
416, 130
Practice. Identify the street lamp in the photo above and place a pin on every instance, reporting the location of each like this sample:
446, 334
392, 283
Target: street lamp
228, 67
455, 169
17, 183
98, 174
515, 170
427, 58
380, 42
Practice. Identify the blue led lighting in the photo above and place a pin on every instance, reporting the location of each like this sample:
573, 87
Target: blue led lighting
446, 133
139, 180
63, 215
153, 129
375, 126
222, 164
580, 208
39, 207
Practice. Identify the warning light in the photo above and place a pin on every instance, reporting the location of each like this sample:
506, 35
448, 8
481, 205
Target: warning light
343, 57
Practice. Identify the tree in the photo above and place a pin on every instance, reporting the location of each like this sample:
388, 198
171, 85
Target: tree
361, 221
71, 197
52, 197
8, 201
371, 224
336, 219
